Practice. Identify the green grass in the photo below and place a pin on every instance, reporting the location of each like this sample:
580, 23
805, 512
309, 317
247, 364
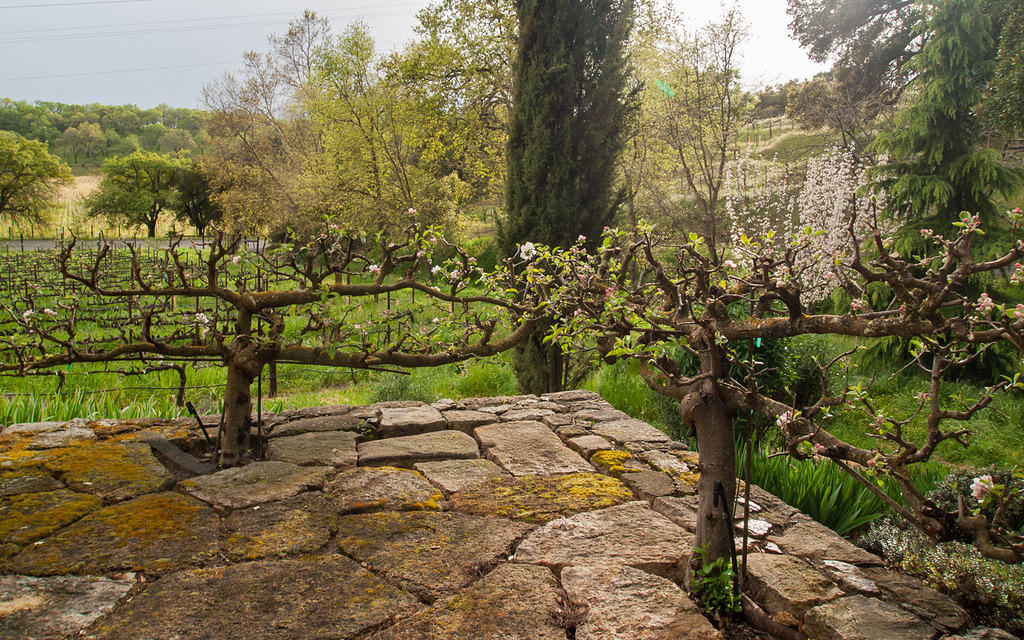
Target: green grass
998, 432
795, 146
620, 384
825, 492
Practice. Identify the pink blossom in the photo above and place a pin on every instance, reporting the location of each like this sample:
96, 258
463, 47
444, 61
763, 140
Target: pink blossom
981, 486
985, 303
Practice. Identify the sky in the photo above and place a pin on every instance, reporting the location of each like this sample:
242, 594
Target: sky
148, 52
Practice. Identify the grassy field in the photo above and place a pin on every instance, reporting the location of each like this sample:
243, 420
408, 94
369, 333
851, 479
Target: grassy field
69, 217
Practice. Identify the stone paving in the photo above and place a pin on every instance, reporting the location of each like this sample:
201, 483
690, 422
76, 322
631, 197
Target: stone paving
506, 518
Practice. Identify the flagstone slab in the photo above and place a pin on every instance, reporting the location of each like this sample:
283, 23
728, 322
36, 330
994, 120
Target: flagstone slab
154, 533
604, 413
540, 499
649, 485
466, 420
681, 510
290, 415
850, 578
512, 602
60, 606
112, 471
573, 395
664, 461
61, 438
426, 447
28, 517
859, 618
528, 448
809, 539
629, 603
318, 424
630, 534
588, 445
919, 599
407, 421
327, 448
255, 483
297, 525
432, 554
314, 598
629, 430
379, 489
499, 401
530, 413
30, 480
31, 428
454, 475
787, 584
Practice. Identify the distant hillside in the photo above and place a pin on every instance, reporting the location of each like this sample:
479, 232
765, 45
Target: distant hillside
85, 135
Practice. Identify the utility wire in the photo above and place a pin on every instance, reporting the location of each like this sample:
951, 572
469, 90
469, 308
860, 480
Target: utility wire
384, 5
70, 4
113, 71
18, 39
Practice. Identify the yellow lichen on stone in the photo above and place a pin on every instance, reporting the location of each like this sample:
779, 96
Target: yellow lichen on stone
432, 504
611, 461
31, 516
598, 490
153, 533
111, 470
541, 498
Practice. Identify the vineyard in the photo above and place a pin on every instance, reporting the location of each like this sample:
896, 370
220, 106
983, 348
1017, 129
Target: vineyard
45, 312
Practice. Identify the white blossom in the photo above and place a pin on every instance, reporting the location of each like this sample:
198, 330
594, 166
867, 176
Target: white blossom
527, 251
981, 486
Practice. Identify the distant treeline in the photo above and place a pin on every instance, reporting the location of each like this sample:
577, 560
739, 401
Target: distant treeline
88, 134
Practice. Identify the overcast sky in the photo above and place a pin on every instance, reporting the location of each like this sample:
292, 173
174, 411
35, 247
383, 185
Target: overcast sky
147, 52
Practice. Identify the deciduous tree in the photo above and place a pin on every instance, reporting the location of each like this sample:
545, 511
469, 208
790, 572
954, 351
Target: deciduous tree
655, 301
29, 177
138, 189
319, 319
197, 203
697, 113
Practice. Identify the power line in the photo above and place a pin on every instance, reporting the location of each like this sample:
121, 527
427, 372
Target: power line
19, 39
208, 18
101, 73
70, 4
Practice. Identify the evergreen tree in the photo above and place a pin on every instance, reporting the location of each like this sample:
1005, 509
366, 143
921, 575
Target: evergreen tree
937, 164
571, 101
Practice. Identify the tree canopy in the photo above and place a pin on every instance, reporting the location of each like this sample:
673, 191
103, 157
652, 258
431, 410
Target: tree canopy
138, 189
29, 178
937, 163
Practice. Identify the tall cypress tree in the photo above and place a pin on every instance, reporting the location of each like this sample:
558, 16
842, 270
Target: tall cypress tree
571, 101
937, 163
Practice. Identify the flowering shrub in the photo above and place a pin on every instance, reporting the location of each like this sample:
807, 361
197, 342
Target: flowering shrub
990, 590
831, 206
